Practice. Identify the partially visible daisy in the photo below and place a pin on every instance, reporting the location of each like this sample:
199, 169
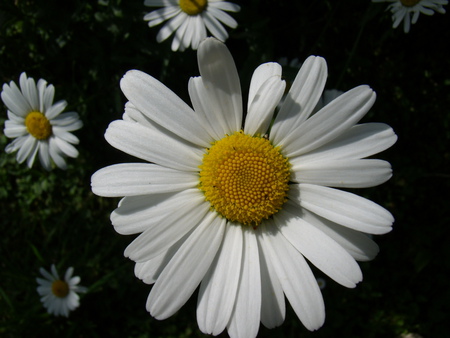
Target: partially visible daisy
190, 19
59, 296
38, 126
408, 10
240, 206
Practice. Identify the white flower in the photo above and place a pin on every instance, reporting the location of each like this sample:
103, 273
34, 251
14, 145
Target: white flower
37, 124
190, 19
408, 10
238, 208
59, 296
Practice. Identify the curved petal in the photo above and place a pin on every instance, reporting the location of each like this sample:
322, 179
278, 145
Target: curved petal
153, 145
163, 106
214, 26
343, 173
183, 274
14, 100
221, 83
218, 289
344, 208
244, 321
273, 307
301, 99
361, 140
131, 179
357, 244
135, 214
297, 280
319, 249
266, 90
330, 122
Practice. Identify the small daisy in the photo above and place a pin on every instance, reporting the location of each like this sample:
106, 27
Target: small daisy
59, 296
236, 206
402, 10
37, 124
190, 19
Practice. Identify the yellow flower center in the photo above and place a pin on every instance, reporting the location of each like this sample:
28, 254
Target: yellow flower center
193, 7
60, 288
38, 125
409, 3
245, 178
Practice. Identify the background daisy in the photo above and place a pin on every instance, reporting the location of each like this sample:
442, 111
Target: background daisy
38, 126
189, 20
59, 296
408, 11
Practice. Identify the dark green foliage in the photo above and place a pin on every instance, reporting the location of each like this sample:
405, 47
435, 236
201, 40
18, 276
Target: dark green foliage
83, 48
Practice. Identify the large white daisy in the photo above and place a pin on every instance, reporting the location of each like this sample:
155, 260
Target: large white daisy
38, 126
239, 208
189, 20
59, 296
408, 11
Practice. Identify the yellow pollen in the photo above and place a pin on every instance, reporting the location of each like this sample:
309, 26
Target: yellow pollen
193, 7
245, 178
38, 125
60, 288
409, 3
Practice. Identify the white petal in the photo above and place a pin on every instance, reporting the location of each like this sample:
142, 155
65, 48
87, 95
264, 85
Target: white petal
244, 321
221, 82
26, 148
344, 208
64, 135
55, 109
217, 292
66, 148
160, 15
318, 248
158, 236
137, 213
14, 100
215, 123
360, 141
164, 107
14, 129
298, 282
56, 155
301, 98
29, 91
225, 6
261, 108
330, 122
185, 271
214, 26
131, 179
357, 244
343, 173
44, 156
273, 307
171, 26
149, 271
153, 145
222, 17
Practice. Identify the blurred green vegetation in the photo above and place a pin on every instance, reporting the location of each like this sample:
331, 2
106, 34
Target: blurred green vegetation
84, 47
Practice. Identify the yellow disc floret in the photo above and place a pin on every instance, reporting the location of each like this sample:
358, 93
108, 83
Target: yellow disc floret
193, 7
38, 125
409, 3
60, 288
245, 178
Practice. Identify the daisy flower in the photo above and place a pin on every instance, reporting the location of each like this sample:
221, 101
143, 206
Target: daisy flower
37, 125
408, 11
236, 208
59, 296
189, 20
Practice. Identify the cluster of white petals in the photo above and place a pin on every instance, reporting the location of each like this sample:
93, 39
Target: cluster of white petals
244, 274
